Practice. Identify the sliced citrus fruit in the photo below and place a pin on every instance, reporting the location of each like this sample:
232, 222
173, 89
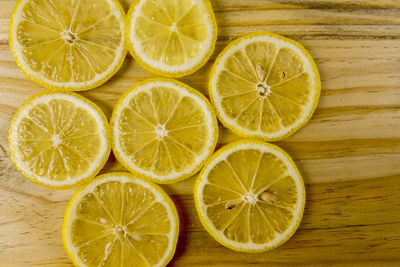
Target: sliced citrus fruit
171, 37
119, 220
163, 130
264, 86
59, 140
250, 196
67, 44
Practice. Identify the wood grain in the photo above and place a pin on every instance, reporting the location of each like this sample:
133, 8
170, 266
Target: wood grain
349, 153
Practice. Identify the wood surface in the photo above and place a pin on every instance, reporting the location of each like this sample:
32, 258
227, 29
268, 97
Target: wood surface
349, 153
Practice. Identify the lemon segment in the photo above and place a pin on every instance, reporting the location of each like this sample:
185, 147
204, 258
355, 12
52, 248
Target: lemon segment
264, 86
69, 45
119, 220
250, 196
163, 130
59, 140
171, 38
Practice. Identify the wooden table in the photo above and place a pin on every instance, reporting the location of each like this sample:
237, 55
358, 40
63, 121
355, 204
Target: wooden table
349, 153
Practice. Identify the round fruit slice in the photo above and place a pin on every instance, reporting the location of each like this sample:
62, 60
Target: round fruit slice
171, 37
250, 196
59, 140
264, 86
68, 45
163, 130
119, 220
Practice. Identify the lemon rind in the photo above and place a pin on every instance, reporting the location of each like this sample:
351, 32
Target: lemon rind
216, 234
98, 116
147, 175
166, 201
66, 86
285, 42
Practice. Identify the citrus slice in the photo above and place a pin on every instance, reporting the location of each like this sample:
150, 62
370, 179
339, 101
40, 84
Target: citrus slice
69, 45
119, 220
171, 37
163, 130
59, 140
264, 86
250, 196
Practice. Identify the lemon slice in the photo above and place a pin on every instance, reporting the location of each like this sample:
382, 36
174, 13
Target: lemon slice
264, 86
163, 130
171, 37
67, 44
59, 140
250, 196
119, 220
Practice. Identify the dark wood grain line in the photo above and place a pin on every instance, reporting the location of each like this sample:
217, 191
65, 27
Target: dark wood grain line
226, 5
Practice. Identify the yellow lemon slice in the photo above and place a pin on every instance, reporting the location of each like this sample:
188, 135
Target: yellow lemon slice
59, 140
264, 86
163, 130
119, 220
250, 196
68, 45
171, 37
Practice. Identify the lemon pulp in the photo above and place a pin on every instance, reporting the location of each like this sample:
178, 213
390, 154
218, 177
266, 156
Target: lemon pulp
66, 44
174, 37
59, 139
119, 220
250, 196
264, 86
163, 130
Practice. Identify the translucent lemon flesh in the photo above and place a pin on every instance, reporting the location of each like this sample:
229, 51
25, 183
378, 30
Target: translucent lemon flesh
67, 44
172, 36
163, 130
59, 139
264, 86
250, 196
118, 220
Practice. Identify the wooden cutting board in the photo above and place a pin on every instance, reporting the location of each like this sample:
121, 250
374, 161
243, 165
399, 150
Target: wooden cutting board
349, 153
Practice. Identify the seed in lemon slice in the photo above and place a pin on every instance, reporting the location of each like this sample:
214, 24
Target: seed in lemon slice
172, 38
163, 130
68, 45
119, 220
250, 196
59, 140
264, 86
